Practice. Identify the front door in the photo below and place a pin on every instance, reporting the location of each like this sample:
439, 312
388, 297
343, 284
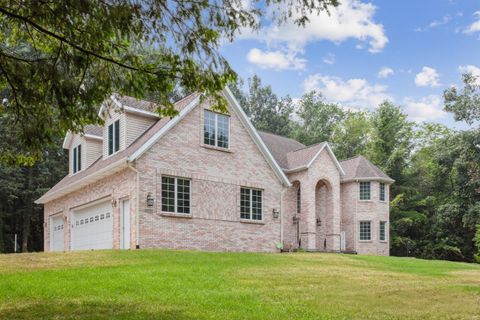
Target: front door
125, 225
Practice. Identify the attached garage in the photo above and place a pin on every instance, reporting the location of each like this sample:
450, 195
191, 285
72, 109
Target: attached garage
56, 233
92, 227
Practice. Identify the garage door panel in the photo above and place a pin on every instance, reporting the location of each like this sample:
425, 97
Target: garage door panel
93, 227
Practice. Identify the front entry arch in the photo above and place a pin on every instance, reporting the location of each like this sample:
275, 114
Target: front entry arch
324, 215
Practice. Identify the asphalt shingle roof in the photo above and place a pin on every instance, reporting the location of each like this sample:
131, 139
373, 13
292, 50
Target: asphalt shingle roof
359, 167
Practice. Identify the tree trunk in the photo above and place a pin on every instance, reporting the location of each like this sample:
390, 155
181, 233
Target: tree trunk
2, 227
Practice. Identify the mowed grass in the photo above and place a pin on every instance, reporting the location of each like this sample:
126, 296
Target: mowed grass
160, 284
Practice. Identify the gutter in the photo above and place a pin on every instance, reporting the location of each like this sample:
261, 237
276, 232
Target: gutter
137, 205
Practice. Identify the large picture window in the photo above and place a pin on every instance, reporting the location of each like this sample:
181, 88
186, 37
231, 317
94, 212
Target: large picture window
365, 190
250, 204
216, 129
175, 195
114, 137
77, 158
365, 230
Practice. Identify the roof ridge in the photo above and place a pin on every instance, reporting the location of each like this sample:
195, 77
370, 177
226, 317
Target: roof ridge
306, 147
279, 135
187, 96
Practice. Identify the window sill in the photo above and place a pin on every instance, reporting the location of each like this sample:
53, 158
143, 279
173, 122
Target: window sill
252, 221
207, 146
365, 241
365, 200
383, 241
176, 215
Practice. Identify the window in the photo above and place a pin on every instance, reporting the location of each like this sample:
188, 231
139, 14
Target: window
383, 231
216, 129
299, 195
250, 204
77, 158
114, 137
364, 190
175, 195
382, 191
365, 230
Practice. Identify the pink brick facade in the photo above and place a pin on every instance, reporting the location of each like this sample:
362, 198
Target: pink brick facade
328, 206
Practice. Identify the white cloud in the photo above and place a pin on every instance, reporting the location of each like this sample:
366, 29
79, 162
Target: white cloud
425, 109
352, 19
385, 72
355, 93
275, 60
474, 70
474, 27
436, 23
428, 77
329, 58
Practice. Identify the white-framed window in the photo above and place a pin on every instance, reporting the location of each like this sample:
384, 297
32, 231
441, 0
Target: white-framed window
77, 158
364, 191
250, 204
299, 199
216, 129
365, 230
175, 195
114, 137
383, 231
382, 191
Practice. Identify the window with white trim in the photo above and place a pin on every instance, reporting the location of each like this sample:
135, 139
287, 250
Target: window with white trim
216, 129
175, 195
365, 190
77, 158
114, 137
382, 191
365, 230
383, 231
250, 204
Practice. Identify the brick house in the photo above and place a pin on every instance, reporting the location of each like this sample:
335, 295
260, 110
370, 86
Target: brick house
210, 181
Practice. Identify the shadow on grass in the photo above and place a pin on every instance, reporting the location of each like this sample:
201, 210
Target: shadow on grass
90, 310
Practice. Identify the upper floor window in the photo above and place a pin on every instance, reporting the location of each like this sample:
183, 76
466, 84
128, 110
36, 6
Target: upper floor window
114, 137
216, 129
382, 191
365, 230
365, 190
77, 158
175, 195
383, 231
250, 204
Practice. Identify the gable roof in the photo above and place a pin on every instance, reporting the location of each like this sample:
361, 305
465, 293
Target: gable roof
359, 168
93, 130
280, 146
104, 167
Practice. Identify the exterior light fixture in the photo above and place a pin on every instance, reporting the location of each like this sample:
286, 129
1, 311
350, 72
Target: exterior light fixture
319, 222
150, 200
276, 213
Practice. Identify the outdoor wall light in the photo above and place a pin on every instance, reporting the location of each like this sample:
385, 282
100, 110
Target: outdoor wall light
150, 200
319, 222
276, 213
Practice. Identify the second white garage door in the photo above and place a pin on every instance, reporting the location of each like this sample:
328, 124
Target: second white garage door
92, 227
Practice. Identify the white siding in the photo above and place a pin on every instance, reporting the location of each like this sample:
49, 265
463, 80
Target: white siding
93, 151
136, 125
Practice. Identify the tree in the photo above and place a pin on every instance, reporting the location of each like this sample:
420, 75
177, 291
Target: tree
464, 103
318, 119
477, 243
60, 59
350, 137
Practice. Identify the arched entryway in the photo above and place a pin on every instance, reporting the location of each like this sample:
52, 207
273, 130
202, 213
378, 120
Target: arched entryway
324, 215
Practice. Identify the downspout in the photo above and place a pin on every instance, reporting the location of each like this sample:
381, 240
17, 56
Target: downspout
137, 205
281, 216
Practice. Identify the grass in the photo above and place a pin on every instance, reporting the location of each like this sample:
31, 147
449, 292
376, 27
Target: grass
159, 284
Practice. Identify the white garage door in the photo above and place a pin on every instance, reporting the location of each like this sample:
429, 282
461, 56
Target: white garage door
92, 227
56, 233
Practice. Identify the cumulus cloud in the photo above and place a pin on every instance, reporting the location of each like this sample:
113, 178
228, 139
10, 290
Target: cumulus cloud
385, 72
474, 27
474, 70
352, 19
428, 77
275, 60
425, 109
354, 93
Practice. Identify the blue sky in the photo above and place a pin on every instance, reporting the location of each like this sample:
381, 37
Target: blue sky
367, 51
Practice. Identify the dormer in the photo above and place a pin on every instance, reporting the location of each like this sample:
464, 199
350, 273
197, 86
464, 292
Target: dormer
126, 119
83, 148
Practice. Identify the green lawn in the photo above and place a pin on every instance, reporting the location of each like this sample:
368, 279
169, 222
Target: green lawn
157, 284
